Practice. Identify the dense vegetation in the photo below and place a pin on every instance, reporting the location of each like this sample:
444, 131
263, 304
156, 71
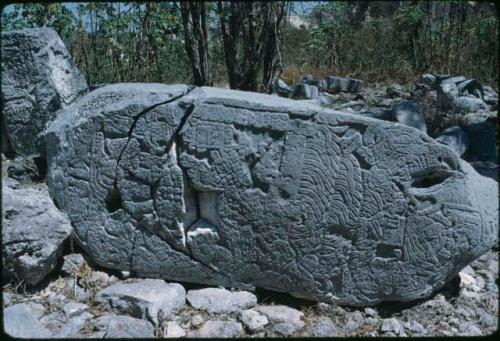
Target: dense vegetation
393, 40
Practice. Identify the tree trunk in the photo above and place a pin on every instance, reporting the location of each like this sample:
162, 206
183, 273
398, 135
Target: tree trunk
195, 24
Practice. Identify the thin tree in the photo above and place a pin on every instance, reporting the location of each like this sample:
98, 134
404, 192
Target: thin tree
195, 26
250, 34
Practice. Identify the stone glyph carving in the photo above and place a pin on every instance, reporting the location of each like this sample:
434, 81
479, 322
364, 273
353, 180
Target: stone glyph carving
38, 78
241, 189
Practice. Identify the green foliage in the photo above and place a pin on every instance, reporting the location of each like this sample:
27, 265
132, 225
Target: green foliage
142, 41
417, 37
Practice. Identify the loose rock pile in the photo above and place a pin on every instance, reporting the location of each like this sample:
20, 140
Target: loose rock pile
311, 88
242, 190
73, 306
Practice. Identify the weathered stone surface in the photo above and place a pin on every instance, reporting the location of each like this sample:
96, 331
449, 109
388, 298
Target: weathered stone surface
282, 89
380, 114
394, 90
408, 113
38, 78
392, 325
428, 79
219, 329
19, 321
33, 233
173, 330
220, 301
118, 326
490, 96
455, 138
74, 309
450, 99
471, 86
253, 320
489, 169
151, 299
325, 327
27, 169
482, 137
197, 320
74, 326
305, 91
341, 84
235, 189
442, 79
72, 263
291, 319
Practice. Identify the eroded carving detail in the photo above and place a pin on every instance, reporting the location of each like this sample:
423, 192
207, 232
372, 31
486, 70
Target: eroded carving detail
243, 190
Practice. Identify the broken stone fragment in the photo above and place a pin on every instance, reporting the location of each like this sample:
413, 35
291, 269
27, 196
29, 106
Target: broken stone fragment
151, 299
220, 301
219, 329
19, 321
253, 320
34, 232
73, 263
455, 138
291, 320
305, 91
38, 78
118, 326
341, 84
408, 113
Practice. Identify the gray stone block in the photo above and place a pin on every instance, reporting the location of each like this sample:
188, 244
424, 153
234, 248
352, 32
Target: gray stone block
38, 79
408, 113
341, 84
151, 299
19, 321
456, 138
305, 91
241, 189
33, 233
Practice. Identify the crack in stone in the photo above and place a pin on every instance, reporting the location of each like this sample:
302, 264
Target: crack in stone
134, 123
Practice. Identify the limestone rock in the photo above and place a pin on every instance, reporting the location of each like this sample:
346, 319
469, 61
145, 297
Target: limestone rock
74, 309
292, 319
482, 137
253, 320
471, 86
395, 90
305, 91
490, 96
219, 329
456, 138
324, 327
118, 326
220, 301
33, 232
392, 325
428, 79
173, 330
38, 78
146, 298
19, 321
197, 320
341, 84
237, 189
282, 89
27, 169
408, 113
74, 327
489, 169
72, 263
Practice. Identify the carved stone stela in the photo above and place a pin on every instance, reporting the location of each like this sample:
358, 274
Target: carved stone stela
241, 189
